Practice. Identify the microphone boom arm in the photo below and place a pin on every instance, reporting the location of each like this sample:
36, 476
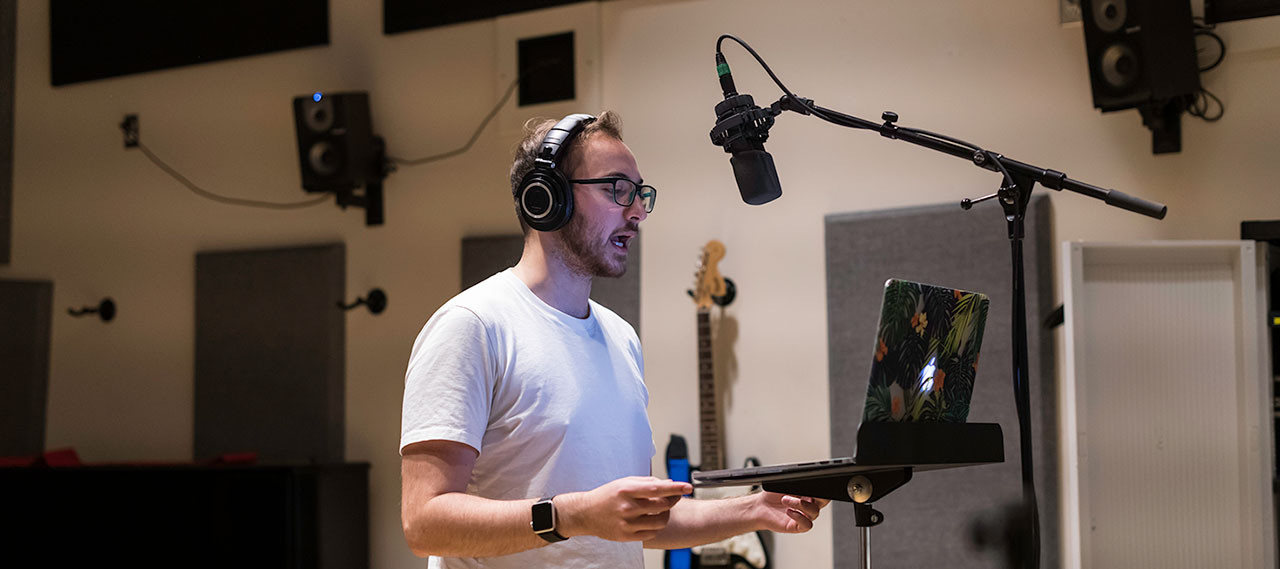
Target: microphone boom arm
995, 162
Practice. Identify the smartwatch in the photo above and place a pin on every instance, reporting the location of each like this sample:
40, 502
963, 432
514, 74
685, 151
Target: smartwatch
544, 520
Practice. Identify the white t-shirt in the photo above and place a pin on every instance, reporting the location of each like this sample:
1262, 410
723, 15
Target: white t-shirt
553, 403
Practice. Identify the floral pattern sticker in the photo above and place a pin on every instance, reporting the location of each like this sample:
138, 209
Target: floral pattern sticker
926, 355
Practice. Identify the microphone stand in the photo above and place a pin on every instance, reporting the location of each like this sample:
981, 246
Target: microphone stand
1014, 194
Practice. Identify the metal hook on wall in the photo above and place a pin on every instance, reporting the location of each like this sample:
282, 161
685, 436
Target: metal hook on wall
376, 301
106, 310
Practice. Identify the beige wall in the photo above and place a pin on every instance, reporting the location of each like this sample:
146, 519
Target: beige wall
99, 220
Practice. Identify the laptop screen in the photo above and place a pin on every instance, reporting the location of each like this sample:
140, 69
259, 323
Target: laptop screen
926, 353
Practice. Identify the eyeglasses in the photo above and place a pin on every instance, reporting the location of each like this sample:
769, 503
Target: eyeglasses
625, 191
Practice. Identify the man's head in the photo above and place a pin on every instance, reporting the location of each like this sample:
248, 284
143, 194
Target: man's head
535, 132
595, 241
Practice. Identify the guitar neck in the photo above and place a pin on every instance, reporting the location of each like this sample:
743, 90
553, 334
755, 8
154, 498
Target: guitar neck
708, 410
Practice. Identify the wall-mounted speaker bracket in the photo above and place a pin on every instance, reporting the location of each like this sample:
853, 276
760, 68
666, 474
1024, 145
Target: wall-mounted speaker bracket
371, 199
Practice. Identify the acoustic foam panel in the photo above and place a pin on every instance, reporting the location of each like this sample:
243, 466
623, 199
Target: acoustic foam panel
270, 353
25, 311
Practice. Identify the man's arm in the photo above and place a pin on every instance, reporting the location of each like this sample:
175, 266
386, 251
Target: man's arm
696, 522
439, 518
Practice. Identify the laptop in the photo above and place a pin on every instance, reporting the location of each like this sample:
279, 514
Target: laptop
923, 366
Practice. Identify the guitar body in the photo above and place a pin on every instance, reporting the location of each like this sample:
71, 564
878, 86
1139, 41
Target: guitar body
749, 550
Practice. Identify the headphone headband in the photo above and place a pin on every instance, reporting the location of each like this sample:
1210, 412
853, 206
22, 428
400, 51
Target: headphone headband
559, 135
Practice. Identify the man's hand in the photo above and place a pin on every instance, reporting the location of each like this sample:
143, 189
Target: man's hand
635, 508
788, 514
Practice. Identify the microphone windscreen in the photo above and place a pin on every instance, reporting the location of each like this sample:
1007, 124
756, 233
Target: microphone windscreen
757, 178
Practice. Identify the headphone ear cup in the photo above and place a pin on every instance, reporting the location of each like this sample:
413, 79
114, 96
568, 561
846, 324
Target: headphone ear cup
546, 199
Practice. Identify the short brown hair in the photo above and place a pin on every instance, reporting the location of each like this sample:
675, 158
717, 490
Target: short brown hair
607, 123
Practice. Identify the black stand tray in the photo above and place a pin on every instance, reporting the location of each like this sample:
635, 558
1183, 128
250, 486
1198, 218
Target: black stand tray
888, 454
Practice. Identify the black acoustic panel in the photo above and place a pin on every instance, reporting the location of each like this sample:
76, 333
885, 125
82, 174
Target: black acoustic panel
95, 40
8, 17
1216, 11
545, 65
25, 319
270, 353
407, 15
929, 521
484, 256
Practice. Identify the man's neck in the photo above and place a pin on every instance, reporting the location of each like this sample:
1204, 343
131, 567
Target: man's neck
543, 270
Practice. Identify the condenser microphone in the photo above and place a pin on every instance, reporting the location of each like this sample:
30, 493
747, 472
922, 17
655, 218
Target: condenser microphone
741, 129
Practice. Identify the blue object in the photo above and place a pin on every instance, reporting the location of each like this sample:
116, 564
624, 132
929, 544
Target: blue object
679, 559
316, 97
678, 469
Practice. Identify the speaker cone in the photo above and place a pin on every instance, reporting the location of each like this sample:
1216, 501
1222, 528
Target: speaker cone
1119, 66
324, 159
1110, 15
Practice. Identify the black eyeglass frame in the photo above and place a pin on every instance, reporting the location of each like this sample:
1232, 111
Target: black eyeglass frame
631, 198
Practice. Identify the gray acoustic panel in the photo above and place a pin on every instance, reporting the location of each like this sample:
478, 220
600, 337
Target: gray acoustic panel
8, 18
484, 256
930, 522
270, 353
25, 318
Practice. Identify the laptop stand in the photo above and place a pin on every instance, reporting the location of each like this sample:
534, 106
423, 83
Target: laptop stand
888, 454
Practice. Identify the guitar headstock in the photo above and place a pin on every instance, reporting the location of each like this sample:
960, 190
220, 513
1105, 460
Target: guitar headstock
708, 282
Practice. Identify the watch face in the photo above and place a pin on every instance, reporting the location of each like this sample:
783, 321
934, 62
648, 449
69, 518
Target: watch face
543, 516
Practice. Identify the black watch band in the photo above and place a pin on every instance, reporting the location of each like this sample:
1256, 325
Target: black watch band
544, 520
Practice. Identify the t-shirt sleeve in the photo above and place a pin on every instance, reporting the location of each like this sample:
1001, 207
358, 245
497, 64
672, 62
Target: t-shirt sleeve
449, 381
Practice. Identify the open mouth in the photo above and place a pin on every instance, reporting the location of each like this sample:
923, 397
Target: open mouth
620, 241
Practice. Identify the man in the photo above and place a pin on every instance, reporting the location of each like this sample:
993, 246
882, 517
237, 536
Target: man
525, 441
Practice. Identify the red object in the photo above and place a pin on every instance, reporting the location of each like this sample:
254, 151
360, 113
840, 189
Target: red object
234, 458
67, 457
16, 461
60, 457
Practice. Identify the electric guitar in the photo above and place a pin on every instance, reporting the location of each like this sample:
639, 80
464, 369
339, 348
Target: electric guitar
749, 550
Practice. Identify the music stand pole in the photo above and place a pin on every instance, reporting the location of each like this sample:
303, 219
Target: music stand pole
859, 489
1014, 201
864, 534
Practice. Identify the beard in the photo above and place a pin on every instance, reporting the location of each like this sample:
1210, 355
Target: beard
585, 254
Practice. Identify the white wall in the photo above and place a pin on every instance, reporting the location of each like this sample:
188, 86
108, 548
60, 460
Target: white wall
99, 220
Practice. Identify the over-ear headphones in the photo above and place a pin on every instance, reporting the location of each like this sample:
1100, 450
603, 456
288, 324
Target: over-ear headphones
546, 197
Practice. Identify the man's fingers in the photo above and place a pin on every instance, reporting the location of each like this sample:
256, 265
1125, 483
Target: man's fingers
801, 522
650, 506
810, 507
655, 488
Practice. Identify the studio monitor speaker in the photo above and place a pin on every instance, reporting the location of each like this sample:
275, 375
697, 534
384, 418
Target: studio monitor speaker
336, 146
1141, 52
